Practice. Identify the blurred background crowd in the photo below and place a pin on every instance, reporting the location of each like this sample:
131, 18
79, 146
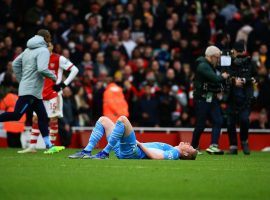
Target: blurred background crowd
149, 48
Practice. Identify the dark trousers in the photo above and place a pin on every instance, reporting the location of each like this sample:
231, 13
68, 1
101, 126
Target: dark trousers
243, 117
22, 105
65, 136
14, 140
203, 110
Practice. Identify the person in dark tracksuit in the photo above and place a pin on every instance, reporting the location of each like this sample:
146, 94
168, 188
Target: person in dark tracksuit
30, 68
206, 86
243, 75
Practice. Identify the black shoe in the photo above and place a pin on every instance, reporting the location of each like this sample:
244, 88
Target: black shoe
245, 148
232, 152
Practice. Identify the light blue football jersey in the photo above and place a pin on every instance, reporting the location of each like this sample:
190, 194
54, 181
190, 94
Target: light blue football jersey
169, 152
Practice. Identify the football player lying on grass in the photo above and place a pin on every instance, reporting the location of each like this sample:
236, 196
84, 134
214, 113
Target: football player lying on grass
122, 140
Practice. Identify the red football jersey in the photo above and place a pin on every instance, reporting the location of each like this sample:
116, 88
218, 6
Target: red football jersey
57, 64
48, 92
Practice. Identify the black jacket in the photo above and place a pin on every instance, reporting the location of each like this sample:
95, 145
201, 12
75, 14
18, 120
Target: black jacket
244, 68
205, 74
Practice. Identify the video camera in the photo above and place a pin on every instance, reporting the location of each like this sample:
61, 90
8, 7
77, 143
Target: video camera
227, 54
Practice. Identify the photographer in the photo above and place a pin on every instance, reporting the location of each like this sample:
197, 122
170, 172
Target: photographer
243, 72
207, 85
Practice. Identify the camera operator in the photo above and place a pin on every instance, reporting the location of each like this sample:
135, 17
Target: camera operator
242, 72
207, 85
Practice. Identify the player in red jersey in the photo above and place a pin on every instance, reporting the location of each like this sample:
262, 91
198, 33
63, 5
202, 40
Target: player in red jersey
52, 98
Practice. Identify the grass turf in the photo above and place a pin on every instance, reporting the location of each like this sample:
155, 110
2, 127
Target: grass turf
39, 176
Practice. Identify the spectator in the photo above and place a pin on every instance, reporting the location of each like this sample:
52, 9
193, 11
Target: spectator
139, 75
7, 11
170, 77
148, 108
228, 11
167, 105
131, 96
114, 51
92, 26
114, 103
86, 64
69, 119
34, 18
155, 68
82, 107
128, 43
137, 30
262, 122
99, 65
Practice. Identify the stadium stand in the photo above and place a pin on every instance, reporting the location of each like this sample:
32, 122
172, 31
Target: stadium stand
149, 47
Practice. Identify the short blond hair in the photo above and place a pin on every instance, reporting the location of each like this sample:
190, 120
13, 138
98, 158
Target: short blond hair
212, 50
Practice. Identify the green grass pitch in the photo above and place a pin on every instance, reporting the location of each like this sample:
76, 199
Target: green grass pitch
38, 176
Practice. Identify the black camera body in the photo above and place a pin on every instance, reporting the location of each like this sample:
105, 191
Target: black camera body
240, 66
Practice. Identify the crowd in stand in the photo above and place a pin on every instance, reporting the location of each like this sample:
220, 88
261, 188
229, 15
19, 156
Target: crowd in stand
149, 47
